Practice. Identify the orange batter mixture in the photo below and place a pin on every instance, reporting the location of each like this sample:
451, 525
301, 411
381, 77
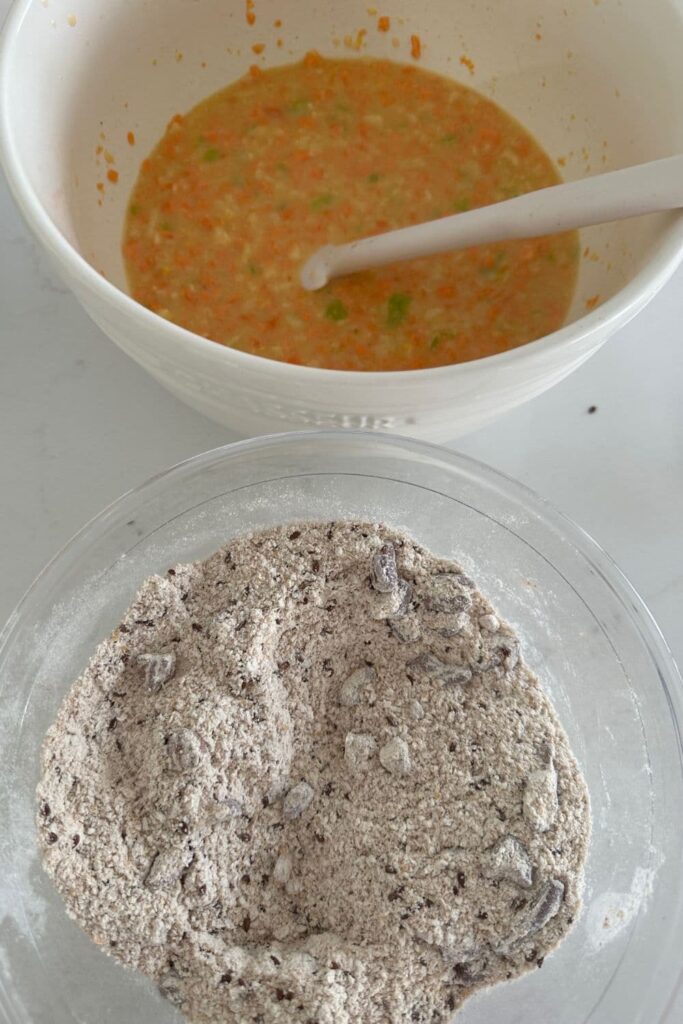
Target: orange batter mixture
241, 190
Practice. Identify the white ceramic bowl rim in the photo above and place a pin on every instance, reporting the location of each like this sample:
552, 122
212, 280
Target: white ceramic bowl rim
615, 310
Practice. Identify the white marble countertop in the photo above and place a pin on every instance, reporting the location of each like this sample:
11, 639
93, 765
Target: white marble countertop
80, 424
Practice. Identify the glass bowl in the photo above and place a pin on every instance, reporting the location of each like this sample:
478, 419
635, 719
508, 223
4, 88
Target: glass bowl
584, 631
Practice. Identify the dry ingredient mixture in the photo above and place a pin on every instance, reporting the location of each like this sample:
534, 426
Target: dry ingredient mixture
248, 184
311, 779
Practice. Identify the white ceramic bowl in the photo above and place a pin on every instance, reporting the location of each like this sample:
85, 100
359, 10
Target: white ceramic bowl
599, 83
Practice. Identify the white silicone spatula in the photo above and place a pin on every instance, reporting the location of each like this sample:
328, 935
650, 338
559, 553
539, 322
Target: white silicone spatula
630, 192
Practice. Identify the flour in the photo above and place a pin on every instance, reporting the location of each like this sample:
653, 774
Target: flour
311, 779
611, 912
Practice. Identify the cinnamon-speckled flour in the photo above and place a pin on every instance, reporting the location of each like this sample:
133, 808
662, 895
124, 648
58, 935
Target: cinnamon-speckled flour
311, 779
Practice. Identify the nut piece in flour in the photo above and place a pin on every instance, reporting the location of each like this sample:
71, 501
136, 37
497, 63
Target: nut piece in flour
508, 860
384, 570
416, 710
540, 801
358, 749
543, 908
283, 869
435, 668
297, 800
351, 692
394, 756
406, 629
405, 596
394, 604
448, 592
157, 669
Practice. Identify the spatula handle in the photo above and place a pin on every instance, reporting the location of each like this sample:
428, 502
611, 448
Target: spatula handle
645, 188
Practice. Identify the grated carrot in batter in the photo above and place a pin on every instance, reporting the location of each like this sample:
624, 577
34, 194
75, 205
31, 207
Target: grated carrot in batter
244, 187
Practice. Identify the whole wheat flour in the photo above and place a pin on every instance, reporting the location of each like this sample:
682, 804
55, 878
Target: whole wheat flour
311, 779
